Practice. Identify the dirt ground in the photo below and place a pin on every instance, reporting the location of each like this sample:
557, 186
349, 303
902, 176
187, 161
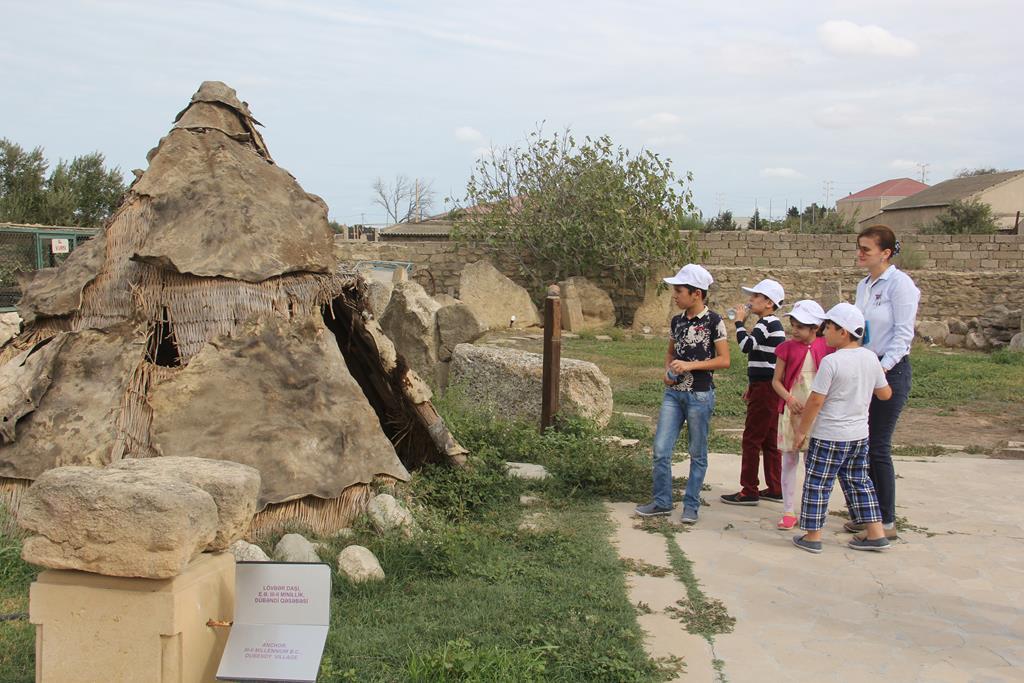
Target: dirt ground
961, 428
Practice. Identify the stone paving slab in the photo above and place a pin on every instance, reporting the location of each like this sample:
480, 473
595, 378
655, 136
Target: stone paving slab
946, 603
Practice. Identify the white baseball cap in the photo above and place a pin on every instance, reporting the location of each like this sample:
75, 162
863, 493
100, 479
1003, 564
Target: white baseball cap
808, 312
693, 275
769, 288
848, 317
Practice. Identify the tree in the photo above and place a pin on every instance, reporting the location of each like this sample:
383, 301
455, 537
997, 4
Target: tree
558, 207
22, 183
964, 218
970, 172
404, 200
723, 221
792, 212
81, 192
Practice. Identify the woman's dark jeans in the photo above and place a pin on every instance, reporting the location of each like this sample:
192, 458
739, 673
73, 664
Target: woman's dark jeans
882, 417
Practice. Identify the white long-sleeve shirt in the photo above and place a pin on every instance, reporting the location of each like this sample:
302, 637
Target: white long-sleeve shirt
889, 305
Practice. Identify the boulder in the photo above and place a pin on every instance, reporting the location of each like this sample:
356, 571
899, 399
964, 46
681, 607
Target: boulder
508, 383
410, 321
572, 311
656, 311
495, 298
1017, 342
527, 470
234, 487
295, 548
934, 331
955, 341
999, 323
247, 552
956, 326
10, 326
117, 522
378, 295
387, 514
358, 564
595, 303
456, 324
976, 341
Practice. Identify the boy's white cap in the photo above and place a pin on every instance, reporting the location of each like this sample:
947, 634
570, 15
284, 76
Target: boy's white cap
848, 317
769, 288
808, 312
693, 275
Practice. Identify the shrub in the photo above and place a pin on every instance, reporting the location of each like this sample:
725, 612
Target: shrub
461, 493
963, 218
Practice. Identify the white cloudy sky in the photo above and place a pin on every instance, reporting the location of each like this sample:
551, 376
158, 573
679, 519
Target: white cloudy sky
761, 100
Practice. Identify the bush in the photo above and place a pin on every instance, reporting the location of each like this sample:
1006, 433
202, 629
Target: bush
963, 218
462, 493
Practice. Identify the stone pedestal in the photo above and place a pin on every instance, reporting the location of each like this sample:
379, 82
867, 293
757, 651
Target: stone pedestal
101, 629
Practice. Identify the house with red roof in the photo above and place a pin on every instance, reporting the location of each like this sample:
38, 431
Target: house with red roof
868, 203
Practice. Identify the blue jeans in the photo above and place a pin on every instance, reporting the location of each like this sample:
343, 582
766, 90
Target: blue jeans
882, 417
677, 407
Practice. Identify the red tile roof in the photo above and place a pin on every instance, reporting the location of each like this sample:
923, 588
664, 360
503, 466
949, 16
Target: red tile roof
898, 187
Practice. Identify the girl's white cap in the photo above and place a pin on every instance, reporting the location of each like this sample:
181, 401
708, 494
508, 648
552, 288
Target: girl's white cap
808, 312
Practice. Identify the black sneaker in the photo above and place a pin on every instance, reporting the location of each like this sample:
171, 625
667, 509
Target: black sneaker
768, 495
651, 510
869, 544
800, 541
738, 499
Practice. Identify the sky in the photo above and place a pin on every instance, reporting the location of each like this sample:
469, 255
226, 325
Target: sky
768, 104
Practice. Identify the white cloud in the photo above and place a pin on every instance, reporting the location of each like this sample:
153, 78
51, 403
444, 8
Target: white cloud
660, 121
780, 172
903, 164
840, 115
468, 134
847, 38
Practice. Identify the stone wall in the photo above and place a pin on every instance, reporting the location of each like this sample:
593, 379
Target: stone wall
933, 252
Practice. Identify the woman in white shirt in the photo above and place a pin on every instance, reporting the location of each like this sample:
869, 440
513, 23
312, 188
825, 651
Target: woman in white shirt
888, 298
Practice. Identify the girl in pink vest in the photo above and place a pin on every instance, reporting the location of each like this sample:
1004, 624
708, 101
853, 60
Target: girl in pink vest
797, 362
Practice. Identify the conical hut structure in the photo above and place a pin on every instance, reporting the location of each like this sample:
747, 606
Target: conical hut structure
211, 319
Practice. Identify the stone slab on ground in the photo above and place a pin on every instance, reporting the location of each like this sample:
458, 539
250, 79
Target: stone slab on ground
925, 610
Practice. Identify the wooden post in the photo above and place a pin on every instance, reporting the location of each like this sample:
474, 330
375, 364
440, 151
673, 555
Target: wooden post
552, 356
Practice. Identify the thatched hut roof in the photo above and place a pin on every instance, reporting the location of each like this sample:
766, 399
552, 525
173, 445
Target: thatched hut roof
211, 319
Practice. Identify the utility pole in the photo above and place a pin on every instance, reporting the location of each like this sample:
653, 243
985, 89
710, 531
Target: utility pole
417, 210
828, 192
924, 171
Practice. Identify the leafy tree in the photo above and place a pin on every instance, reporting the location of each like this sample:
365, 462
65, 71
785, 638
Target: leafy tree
969, 172
964, 218
22, 183
557, 207
723, 221
81, 192
793, 212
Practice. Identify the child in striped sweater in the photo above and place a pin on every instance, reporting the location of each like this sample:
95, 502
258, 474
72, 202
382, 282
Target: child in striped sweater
760, 431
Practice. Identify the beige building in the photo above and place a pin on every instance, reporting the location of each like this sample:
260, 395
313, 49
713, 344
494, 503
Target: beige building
868, 203
1004, 192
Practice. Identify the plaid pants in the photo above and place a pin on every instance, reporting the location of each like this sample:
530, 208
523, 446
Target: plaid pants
848, 460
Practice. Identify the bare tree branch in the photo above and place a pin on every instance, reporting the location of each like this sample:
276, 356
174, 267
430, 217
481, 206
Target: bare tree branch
404, 200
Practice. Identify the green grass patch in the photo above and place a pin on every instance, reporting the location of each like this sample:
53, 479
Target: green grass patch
986, 382
919, 451
702, 615
17, 636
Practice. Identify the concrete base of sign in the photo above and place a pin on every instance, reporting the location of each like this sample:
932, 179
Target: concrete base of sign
102, 629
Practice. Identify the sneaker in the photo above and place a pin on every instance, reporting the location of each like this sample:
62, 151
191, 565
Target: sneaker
889, 533
768, 495
852, 527
810, 546
865, 544
738, 499
689, 516
652, 510
787, 522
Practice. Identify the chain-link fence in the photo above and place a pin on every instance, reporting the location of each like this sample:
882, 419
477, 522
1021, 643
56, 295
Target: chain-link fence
24, 248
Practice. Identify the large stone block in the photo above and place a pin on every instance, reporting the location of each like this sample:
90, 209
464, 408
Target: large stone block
456, 324
508, 382
117, 522
410, 321
495, 298
595, 303
234, 487
656, 311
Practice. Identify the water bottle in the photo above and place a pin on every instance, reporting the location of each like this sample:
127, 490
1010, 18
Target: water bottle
731, 313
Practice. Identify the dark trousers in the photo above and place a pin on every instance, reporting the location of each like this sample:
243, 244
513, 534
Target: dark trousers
761, 435
882, 417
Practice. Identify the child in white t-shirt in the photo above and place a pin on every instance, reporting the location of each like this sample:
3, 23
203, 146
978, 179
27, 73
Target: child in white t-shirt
838, 410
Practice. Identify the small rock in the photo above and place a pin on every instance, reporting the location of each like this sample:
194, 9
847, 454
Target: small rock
1015, 444
620, 441
1010, 453
358, 564
640, 416
344, 533
1017, 342
957, 326
247, 552
955, 340
295, 548
570, 335
532, 522
527, 470
386, 514
976, 341
529, 501
933, 330
602, 337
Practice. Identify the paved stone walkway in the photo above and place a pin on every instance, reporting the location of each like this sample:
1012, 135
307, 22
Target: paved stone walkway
946, 603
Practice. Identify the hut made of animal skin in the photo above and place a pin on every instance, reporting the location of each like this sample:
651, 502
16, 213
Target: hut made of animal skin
211, 319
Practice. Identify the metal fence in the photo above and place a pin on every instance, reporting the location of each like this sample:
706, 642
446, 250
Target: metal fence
24, 248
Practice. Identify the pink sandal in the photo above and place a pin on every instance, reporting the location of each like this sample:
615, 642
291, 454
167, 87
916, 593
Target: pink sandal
787, 522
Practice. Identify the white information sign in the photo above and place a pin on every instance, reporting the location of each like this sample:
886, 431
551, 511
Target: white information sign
60, 246
282, 613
